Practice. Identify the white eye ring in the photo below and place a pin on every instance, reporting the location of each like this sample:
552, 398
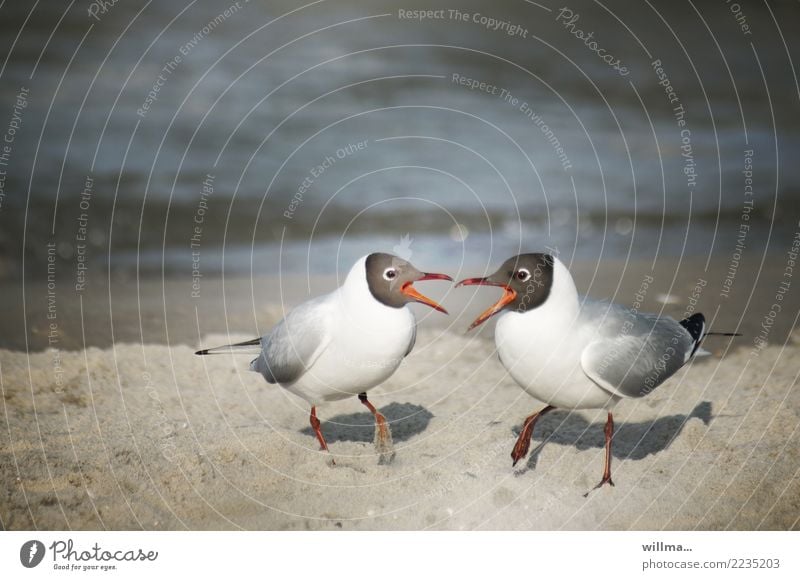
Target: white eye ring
523, 274
389, 274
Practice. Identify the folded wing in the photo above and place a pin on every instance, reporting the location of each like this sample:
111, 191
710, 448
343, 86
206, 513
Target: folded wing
295, 343
634, 353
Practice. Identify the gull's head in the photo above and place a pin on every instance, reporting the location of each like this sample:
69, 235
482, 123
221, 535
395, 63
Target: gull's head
391, 281
526, 281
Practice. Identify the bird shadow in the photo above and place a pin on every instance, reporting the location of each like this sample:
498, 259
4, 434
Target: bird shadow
405, 421
631, 440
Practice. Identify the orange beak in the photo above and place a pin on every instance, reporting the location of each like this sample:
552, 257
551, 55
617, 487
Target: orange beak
509, 295
409, 290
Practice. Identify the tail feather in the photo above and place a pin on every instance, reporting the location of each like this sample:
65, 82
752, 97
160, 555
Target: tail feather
247, 347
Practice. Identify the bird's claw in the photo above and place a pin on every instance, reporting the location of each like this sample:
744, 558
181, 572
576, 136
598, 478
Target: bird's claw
606, 480
516, 455
522, 445
384, 445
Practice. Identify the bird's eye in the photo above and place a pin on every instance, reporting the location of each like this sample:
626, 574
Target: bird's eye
522, 274
389, 274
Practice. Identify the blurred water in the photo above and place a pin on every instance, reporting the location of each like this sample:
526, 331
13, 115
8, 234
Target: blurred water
335, 129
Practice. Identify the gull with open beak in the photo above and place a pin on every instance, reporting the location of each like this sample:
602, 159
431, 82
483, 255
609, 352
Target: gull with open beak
344, 343
575, 353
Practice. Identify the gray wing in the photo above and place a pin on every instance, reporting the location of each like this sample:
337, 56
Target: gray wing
633, 352
295, 343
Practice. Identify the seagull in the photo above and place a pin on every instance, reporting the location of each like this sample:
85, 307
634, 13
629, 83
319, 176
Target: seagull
574, 353
344, 343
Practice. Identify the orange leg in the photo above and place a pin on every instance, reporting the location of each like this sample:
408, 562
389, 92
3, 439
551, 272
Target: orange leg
315, 425
524, 440
383, 435
609, 433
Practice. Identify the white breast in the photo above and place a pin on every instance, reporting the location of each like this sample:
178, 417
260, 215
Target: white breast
369, 341
541, 349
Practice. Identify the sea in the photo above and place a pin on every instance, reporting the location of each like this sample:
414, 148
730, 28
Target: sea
257, 137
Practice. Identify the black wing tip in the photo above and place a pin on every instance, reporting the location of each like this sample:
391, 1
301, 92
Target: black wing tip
201, 352
694, 325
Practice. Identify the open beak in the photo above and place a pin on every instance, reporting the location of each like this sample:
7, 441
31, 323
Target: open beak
409, 290
509, 295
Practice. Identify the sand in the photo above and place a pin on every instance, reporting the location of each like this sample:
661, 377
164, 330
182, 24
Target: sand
148, 436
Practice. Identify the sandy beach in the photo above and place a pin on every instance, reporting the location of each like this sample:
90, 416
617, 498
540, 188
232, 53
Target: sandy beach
134, 432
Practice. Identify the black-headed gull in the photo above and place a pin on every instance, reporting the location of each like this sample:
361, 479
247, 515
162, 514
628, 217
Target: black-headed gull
575, 353
344, 343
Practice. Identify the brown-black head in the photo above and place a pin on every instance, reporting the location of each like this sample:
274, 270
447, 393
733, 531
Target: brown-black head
391, 281
526, 280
